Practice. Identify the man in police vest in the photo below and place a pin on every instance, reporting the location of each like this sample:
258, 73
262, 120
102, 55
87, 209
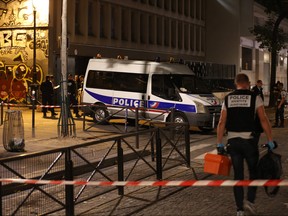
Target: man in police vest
238, 118
280, 105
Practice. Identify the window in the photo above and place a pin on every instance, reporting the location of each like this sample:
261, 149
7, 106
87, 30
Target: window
124, 25
198, 38
192, 8
151, 29
110, 80
100, 79
130, 82
186, 36
77, 17
192, 37
113, 23
246, 58
134, 27
173, 33
166, 32
167, 4
173, 5
90, 18
103, 33
159, 3
180, 6
186, 7
180, 35
143, 28
159, 30
163, 87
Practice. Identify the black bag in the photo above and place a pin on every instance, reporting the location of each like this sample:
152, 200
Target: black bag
270, 167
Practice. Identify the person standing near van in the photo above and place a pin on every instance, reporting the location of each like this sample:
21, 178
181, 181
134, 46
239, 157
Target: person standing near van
47, 96
280, 105
258, 90
238, 118
72, 91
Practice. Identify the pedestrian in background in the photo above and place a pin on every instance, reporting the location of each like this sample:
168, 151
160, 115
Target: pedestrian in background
80, 88
47, 96
258, 90
72, 92
238, 118
280, 105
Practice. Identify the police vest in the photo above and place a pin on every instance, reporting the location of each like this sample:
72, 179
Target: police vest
240, 106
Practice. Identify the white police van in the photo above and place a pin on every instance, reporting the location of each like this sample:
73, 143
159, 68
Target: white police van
110, 84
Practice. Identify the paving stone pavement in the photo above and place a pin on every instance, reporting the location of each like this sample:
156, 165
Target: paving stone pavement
154, 200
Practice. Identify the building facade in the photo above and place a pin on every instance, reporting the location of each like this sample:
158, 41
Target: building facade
207, 31
137, 29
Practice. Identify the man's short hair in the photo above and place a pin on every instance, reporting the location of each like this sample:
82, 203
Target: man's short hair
259, 81
241, 78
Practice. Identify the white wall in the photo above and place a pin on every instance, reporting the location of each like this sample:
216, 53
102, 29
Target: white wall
223, 32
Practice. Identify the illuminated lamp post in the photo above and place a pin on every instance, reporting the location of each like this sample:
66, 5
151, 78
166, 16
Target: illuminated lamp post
34, 85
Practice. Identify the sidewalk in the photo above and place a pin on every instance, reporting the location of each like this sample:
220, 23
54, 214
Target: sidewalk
155, 200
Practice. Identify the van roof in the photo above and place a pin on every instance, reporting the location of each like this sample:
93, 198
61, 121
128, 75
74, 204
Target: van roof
138, 66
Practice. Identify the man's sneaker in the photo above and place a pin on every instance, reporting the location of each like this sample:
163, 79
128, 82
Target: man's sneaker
250, 208
240, 213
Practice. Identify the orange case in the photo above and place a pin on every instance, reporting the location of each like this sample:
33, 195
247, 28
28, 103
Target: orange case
217, 164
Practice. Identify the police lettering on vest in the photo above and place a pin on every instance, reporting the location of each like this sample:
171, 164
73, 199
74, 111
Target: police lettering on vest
240, 106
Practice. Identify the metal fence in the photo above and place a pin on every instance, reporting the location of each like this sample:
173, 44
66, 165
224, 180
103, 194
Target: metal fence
112, 159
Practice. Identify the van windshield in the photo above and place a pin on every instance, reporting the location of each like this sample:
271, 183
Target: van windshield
190, 84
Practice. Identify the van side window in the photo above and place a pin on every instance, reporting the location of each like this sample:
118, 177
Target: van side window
100, 79
117, 81
163, 87
130, 82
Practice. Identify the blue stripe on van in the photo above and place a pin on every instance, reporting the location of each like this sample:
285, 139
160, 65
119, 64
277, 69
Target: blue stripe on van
102, 98
164, 105
151, 104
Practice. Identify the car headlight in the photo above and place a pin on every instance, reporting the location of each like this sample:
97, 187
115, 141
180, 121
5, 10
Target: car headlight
200, 107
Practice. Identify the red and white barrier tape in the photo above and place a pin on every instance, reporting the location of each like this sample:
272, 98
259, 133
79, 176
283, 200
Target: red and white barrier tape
43, 106
189, 183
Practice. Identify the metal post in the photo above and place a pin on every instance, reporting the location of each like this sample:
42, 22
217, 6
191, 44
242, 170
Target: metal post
137, 126
1, 199
120, 166
158, 155
2, 112
69, 189
34, 78
187, 146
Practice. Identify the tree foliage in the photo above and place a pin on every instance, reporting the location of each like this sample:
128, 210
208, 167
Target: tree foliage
271, 36
264, 35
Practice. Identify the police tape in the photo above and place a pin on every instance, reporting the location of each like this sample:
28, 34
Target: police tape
187, 183
42, 106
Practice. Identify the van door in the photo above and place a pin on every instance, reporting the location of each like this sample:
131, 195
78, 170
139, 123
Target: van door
129, 91
163, 95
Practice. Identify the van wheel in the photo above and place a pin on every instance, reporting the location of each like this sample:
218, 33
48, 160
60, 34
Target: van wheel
180, 118
100, 115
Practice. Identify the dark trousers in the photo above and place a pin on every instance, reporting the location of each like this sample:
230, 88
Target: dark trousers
47, 101
279, 114
240, 150
74, 103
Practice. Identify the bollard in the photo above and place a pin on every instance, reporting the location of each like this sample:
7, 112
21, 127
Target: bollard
2, 112
69, 189
158, 156
187, 146
120, 164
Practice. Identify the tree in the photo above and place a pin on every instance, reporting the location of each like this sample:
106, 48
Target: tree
271, 36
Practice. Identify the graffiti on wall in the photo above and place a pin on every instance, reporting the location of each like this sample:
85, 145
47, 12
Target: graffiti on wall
17, 48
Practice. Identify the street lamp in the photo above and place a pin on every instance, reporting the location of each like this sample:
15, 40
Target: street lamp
34, 78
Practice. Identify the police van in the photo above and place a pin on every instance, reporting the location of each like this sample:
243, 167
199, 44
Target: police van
153, 87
